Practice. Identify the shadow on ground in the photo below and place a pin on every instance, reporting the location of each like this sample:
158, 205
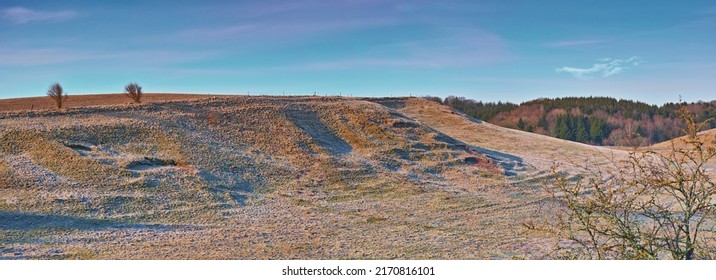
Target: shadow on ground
510, 163
10, 220
310, 122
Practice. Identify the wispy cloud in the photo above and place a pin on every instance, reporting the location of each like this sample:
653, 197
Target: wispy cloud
21, 15
573, 43
281, 29
604, 67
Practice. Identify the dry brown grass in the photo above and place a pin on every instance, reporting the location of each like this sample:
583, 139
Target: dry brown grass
708, 137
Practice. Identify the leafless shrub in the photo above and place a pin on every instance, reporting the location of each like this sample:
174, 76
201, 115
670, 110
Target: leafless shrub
133, 91
57, 94
653, 206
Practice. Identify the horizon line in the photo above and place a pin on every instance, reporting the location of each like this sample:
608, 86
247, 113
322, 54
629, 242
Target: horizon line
340, 94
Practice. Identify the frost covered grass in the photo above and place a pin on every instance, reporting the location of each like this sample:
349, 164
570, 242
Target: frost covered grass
250, 177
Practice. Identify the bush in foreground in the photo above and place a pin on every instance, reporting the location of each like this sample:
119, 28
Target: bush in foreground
653, 205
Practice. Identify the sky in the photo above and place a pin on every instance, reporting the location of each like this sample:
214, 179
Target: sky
653, 51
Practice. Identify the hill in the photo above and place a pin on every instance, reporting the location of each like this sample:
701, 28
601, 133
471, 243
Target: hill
245, 177
708, 137
593, 120
266, 177
534, 152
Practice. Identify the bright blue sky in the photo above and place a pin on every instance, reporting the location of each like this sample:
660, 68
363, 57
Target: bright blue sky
515, 51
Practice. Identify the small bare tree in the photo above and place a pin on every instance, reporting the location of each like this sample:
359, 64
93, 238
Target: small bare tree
134, 91
653, 205
57, 94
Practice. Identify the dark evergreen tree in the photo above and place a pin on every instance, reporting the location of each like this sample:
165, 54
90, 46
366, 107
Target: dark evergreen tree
597, 130
543, 122
561, 129
521, 124
582, 134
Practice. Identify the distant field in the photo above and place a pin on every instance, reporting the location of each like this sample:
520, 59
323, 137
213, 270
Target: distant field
75, 101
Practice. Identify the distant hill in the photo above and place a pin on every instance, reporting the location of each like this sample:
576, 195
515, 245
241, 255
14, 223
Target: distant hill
708, 137
592, 120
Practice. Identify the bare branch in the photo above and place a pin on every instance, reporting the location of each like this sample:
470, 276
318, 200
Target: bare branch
134, 91
651, 205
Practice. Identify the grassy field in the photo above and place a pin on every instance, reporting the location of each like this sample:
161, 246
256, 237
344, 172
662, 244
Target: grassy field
265, 177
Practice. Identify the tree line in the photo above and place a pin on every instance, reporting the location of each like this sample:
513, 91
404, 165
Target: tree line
593, 120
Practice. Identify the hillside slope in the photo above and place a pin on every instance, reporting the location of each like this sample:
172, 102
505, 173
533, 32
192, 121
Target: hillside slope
238, 177
525, 151
252, 178
708, 136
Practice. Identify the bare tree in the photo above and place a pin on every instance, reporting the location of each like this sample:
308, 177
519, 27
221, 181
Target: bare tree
653, 205
133, 91
57, 94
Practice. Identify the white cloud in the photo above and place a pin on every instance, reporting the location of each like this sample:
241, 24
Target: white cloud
20, 15
604, 67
